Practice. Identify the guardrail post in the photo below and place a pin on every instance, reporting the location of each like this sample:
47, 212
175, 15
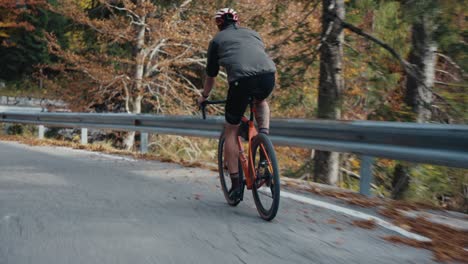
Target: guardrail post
5, 127
84, 136
41, 131
144, 142
366, 175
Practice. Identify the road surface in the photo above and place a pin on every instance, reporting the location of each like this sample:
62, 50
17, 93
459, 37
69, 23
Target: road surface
59, 205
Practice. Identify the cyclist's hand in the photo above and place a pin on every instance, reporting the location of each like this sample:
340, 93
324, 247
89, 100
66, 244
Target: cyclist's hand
200, 100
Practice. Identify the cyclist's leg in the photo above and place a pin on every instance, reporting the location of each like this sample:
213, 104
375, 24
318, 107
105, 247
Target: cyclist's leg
236, 104
262, 115
231, 150
266, 84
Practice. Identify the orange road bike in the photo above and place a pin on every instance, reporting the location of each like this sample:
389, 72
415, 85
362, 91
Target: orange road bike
258, 167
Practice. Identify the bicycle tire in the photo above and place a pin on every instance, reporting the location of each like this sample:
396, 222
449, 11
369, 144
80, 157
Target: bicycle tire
274, 185
222, 175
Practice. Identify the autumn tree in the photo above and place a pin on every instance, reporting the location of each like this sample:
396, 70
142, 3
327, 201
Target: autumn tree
421, 96
426, 20
11, 12
289, 30
331, 84
147, 50
419, 88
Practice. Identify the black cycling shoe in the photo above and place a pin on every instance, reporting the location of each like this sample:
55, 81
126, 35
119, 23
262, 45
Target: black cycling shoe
235, 193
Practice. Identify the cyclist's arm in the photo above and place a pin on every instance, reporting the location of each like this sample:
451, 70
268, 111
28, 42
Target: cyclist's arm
209, 83
212, 68
212, 64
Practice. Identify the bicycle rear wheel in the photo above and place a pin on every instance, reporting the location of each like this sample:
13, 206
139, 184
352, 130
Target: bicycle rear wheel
224, 176
266, 187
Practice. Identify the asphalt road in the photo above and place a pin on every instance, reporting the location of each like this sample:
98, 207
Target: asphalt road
67, 206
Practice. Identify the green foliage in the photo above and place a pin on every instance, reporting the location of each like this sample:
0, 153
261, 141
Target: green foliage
364, 5
387, 112
28, 48
389, 27
22, 130
446, 22
451, 33
448, 18
15, 129
439, 185
370, 71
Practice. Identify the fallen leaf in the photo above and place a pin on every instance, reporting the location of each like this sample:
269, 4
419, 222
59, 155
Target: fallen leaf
366, 224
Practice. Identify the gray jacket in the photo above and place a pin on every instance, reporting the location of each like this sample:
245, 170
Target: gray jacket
240, 51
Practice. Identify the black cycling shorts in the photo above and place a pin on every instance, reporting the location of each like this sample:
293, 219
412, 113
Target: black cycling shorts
259, 87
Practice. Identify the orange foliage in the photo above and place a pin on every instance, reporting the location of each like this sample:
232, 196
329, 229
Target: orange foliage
162, 67
172, 51
11, 19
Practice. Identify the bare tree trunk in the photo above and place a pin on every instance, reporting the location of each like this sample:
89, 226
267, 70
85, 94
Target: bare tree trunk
400, 181
331, 84
418, 96
423, 57
137, 90
129, 140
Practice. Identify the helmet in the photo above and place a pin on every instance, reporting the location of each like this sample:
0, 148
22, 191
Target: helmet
226, 15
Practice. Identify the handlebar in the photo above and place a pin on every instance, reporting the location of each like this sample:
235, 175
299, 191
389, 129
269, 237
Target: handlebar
205, 103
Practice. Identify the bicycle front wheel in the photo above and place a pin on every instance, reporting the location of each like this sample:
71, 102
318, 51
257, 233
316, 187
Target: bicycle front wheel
266, 187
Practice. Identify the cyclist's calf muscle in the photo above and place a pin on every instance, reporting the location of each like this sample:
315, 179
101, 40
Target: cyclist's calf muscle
262, 115
231, 150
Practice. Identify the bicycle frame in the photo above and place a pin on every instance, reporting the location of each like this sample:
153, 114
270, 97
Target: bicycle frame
247, 162
264, 174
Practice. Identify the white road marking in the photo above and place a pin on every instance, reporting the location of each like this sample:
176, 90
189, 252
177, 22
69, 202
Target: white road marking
109, 156
355, 214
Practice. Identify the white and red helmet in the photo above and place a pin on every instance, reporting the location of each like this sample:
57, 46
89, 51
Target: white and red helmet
226, 15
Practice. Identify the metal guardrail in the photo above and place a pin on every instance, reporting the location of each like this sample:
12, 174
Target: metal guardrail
438, 144
14, 108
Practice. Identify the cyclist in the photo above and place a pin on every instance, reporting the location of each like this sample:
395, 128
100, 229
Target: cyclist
251, 73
